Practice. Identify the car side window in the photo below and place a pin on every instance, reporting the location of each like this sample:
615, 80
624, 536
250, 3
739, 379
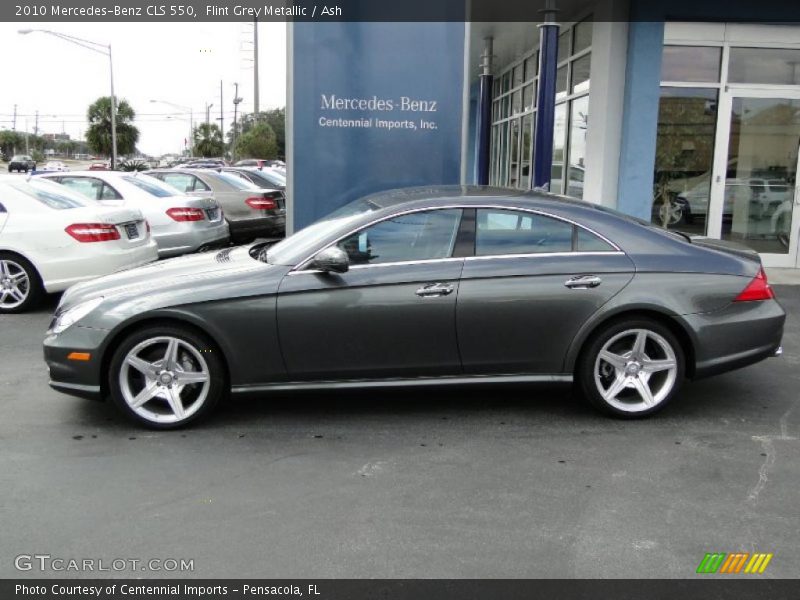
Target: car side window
180, 181
200, 185
416, 236
86, 186
586, 241
107, 192
514, 232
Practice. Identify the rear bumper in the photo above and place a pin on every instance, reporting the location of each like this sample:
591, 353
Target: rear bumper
273, 226
191, 239
91, 266
741, 334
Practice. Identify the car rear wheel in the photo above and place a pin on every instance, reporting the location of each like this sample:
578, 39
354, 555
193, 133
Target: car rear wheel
166, 377
631, 368
20, 285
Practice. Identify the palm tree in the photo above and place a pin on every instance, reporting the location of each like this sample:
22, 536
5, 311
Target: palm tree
98, 135
208, 140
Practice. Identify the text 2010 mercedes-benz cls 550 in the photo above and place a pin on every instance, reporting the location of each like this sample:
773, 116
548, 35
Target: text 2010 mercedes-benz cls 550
425, 286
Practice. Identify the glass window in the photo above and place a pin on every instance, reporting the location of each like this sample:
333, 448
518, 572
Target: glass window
561, 82
690, 63
583, 36
580, 73
236, 183
527, 97
559, 135
764, 65
579, 125
49, 194
506, 81
516, 102
589, 242
416, 236
684, 157
531, 66
563, 46
92, 188
183, 182
150, 185
525, 152
516, 77
513, 177
514, 232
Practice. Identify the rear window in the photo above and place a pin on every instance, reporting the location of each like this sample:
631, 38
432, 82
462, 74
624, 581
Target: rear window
236, 182
151, 186
50, 194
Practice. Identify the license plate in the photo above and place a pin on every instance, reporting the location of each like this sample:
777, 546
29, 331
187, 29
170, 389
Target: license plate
212, 214
131, 231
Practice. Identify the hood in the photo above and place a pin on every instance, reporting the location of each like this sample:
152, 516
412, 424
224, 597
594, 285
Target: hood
176, 278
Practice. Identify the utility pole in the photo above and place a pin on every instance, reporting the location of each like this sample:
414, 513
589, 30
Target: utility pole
14, 123
255, 67
208, 113
36, 124
221, 117
236, 101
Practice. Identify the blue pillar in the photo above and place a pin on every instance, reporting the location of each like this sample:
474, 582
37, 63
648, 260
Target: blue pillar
484, 127
545, 103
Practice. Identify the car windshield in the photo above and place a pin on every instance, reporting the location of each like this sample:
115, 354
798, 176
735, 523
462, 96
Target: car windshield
296, 247
236, 182
151, 185
50, 194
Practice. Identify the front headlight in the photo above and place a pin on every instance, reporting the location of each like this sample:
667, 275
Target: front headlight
75, 314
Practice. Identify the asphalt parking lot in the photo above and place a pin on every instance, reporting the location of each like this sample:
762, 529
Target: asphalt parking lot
479, 483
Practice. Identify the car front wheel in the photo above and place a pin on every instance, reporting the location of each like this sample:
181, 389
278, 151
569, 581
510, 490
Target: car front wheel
631, 368
20, 285
166, 377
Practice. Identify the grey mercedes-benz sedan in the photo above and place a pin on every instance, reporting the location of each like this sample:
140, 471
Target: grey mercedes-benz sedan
426, 286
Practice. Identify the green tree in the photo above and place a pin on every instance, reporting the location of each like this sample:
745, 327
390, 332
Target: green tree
258, 142
208, 140
275, 118
10, 141
98, 135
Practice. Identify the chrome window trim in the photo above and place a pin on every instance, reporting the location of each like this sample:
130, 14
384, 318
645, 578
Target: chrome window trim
617, 249
546, 255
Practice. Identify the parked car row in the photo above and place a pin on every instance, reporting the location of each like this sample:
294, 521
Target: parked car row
60, 227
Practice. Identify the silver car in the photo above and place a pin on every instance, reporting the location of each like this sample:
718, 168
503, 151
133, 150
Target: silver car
180, 223
252, 211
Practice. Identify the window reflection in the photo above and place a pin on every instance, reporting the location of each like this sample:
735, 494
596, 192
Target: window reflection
690, 63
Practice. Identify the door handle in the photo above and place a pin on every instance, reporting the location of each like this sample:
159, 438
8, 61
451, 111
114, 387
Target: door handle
434, 290
583, 282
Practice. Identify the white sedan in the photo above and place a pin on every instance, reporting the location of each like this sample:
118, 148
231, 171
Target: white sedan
51, 238
54, 165
180, 223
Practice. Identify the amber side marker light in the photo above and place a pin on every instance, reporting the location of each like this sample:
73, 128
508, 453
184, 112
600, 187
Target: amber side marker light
79, 356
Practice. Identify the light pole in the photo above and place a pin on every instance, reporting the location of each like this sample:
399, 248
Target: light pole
105, 50
191, 120
236, 101
208, 112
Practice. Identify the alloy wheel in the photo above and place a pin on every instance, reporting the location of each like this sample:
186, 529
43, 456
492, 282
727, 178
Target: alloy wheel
164, 379
15, 284
635, 370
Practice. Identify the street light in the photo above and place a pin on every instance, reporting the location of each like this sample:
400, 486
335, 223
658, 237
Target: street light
191, 120
105, 50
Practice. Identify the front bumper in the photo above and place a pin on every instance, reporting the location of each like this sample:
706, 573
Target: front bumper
77, 378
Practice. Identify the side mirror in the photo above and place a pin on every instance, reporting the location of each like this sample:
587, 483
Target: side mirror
331, 260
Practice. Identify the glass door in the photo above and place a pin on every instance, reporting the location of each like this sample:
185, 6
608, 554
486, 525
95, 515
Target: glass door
754, 196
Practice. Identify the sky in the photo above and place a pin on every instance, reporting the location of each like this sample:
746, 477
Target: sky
180, 63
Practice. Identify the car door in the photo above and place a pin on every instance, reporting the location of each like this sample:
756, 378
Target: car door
392, 314
533, 280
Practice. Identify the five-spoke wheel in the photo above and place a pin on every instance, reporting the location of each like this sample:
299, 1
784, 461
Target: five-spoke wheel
20, 287
166, 377
632, 368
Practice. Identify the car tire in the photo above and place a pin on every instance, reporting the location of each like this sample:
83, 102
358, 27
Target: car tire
631, 368
165, 377
21, 286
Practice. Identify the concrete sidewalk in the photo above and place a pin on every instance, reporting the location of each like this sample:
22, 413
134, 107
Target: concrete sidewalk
778, 276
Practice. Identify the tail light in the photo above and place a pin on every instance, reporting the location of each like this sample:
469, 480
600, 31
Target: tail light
186, 214
93, 232
757, 289
259, 203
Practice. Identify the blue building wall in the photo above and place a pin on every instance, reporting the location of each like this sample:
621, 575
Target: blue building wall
406, 74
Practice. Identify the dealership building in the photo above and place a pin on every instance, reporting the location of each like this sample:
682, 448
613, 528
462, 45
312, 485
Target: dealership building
683, 113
